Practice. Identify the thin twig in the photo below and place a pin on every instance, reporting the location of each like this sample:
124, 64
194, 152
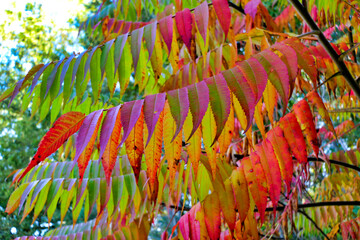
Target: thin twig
351, 41
350, 50
331, 77
314, 223
302, 11
357, 125
340, 110
315, 32
236, 7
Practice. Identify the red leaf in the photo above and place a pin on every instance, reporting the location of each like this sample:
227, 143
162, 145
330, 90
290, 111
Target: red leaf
282, 152
166, 30
271, 169
62, 129
201, 13
294, 137
315, 100
223, 13
153, 106
130, 113
305, 119
184, 24
199, 101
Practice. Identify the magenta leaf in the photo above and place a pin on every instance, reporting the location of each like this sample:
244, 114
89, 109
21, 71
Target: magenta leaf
86, 131
107, 128
130, 113
184, 23
136, 40
179, 107
150, 36
219, 101
199, 101
240, 87
153, 106
251, 7
202, 18
119, 47
166, 30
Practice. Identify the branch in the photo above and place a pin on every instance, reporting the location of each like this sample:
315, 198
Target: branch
316, 204
314, 223
350, 50
236, 7
343, 164
302, 11
351, 41
351, 110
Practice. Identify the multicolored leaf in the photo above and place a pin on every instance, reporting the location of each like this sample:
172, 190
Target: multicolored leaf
130, 112
153, 106
303, 115
212, 216
179, 106
135, 145
62, 129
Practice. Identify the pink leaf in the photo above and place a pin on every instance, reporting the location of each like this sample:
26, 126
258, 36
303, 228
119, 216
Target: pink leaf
202, 18
166, 30
150, 36
251, 7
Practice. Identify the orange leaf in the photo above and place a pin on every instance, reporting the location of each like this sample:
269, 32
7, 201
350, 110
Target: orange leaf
62, 129
212, 217
305, 119
241, 192
135, 145
194, 143
153, 155
315, 100
282, 152
255, 180
227, 133
172, 148
109, 157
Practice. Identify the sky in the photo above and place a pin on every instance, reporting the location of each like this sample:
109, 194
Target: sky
57, 12
54, 10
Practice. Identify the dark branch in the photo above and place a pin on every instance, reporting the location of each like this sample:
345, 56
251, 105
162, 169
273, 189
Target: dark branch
343, 164
314, 223
317, 204
236, 7
327, 46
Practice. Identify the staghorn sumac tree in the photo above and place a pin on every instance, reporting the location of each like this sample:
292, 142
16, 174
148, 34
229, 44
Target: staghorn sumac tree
234, 115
